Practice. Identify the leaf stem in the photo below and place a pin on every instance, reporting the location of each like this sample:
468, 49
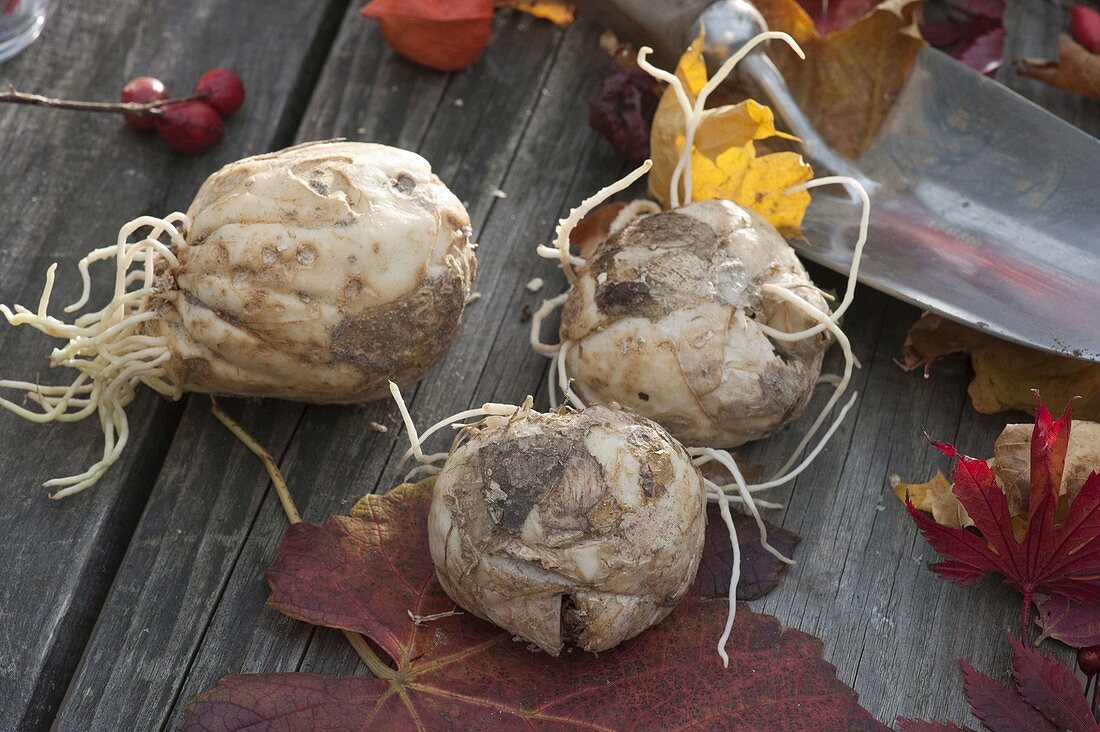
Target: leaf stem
13, 96
1025, 617
372, 660
377, 666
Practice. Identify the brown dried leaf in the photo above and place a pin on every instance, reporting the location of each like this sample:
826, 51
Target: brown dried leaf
593, 228
850, 77
935, 497
1076, 70
1012, 461
1005, 373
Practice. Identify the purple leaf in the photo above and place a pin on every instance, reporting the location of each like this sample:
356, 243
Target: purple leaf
986, 52
999, 707
970, 30
1051, 688
622, 110
1073, 622
760, 571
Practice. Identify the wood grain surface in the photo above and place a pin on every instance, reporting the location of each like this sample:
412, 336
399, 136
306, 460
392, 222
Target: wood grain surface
120, 604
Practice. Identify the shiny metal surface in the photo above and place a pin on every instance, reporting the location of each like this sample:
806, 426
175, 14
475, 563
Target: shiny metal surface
986, 210
985, 207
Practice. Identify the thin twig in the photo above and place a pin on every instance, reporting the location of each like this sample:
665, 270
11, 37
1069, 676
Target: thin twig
13, 96
377, 666
422, 619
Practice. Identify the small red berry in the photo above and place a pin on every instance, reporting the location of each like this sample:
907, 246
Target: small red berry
1089, 660
11, 6
189, 127
1084, 26
222, 90
142, 90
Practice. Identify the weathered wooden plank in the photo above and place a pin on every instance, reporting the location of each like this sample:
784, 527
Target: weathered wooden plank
366, 93
862, 583
70, 180
891, 627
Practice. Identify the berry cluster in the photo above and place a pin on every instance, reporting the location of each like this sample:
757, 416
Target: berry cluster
191, 125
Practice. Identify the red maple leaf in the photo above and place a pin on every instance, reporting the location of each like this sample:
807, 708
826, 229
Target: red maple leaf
1045, 697
368, 572
1058, 557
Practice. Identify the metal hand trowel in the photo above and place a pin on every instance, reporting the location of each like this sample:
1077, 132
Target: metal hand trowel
985, 207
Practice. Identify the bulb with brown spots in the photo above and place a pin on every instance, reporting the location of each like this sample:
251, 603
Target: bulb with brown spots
317, 273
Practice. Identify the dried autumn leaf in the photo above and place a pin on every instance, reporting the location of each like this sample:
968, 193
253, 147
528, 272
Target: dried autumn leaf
1005, 373
594, 228
560, 14
1012, 461
1074, 623
935, 497
760, 570
621, 111
1076, 70
1011, 464
850, 77
970, 30
367, 572
1061, 558
725, 163
442, 34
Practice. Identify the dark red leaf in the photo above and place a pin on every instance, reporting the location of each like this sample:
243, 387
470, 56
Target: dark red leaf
1046, 697
921, 725
970, 30
832, 15
760, 570
998, 706
368, 572
442, 34
1084, 26
622, 111
986, 52
1059, 560
1051, 688
297, 701
1074, 623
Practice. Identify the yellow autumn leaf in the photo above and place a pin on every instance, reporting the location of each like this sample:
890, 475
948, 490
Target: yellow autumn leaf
724, 162
935, 497
560, 14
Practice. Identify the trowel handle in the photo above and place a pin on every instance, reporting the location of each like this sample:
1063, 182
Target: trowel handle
669, 26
